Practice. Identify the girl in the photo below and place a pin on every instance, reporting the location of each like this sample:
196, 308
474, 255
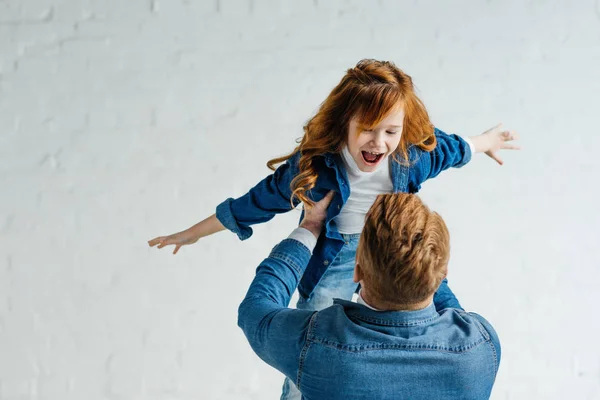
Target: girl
371, 135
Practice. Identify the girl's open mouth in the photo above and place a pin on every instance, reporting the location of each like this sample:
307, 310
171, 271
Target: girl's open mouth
371, 158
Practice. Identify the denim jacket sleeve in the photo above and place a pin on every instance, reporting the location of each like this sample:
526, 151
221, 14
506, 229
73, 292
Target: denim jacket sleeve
277, 334
269, 197
445, 298
450, 151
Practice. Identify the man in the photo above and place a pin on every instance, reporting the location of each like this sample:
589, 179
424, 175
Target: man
395, 343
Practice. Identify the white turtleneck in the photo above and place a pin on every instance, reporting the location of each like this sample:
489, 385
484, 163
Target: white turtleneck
364, 189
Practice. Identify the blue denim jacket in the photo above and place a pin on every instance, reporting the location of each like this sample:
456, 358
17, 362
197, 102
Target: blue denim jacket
348, 351
272, 195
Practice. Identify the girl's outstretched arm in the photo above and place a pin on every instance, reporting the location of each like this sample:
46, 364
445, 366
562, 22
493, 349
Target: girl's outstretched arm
191, 235
270, 196
493, 140
454, 151
267, 198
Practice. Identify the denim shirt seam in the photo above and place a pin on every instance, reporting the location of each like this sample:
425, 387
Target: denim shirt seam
404, 178
415, 160
307, 342
423, 168
388, 322
358, 348
496, 364
488, 338
481, 328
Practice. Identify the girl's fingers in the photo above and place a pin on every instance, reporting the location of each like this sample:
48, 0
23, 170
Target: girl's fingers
154, 241
495, 157
164, 241
509, 135
495, 128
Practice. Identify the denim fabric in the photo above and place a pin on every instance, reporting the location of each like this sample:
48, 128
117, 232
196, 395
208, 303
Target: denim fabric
272, 195
338, 283
348, 351
338, 279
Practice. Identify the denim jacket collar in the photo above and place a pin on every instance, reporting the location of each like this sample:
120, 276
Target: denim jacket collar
329, 159
389, 318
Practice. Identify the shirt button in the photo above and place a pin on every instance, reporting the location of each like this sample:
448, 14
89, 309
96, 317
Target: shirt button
325, 262
339, 207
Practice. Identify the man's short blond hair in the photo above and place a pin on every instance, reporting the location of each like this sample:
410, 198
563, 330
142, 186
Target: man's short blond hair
403, 250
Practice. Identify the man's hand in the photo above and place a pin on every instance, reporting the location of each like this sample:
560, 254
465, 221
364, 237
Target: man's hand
494, 139
314, 217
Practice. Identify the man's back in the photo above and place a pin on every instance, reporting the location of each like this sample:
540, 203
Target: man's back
352, 352
349, 351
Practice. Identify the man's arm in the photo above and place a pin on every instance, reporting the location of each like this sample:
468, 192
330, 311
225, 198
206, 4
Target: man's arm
276, 333
445, 298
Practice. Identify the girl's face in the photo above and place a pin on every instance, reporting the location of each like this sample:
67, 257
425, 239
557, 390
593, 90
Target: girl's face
369, 148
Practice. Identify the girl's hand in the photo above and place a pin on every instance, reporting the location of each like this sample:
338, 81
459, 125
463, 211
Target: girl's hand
178, 239
191, 235
493, 140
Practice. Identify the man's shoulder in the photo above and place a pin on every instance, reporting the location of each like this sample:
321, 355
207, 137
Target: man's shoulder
486, 327
455, 330
361, 345
487, 330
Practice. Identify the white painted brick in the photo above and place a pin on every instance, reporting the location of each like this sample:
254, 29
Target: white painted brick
122, 120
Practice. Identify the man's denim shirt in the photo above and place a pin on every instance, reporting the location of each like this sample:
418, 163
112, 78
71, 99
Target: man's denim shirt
272, 195
348, 351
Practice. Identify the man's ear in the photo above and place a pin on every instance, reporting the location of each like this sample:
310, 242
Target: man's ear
358, 275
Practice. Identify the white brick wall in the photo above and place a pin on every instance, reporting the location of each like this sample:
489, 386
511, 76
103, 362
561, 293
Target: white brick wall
123, 120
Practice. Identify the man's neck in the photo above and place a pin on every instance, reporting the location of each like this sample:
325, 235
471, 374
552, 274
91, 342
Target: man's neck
381, 306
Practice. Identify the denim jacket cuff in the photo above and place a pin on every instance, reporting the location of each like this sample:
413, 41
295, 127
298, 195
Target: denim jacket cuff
225, 216
467, 153
293, 253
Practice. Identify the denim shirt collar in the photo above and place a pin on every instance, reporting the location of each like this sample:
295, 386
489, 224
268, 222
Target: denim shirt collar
389, 318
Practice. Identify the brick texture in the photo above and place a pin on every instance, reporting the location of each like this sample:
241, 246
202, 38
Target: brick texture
125, 120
